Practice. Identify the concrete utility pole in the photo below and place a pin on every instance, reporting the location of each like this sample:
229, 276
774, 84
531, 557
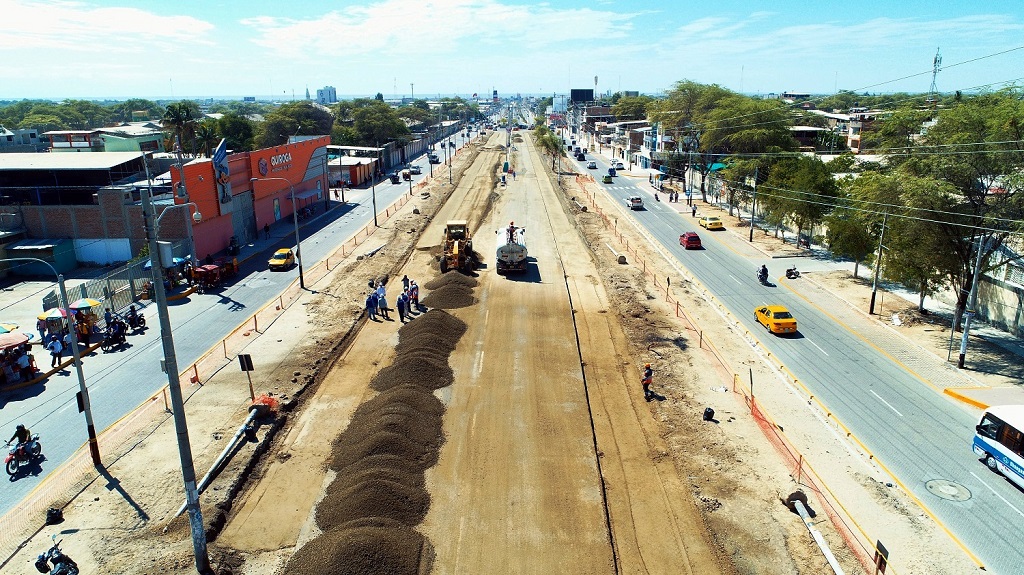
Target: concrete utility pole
753, 204
878, 265
188, 470
971, 310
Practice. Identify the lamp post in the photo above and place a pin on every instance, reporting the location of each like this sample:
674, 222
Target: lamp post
295, 220
188, 471
94, 448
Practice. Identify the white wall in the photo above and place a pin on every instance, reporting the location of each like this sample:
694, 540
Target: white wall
103, 251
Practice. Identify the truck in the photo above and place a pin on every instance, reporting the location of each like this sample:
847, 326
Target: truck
457, 248
511, 249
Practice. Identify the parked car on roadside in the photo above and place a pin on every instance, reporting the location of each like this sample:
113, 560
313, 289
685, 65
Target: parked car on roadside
711, 223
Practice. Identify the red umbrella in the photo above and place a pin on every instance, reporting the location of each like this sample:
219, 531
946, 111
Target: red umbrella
12, 339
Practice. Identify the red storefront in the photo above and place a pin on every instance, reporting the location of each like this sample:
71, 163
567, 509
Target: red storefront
232, 205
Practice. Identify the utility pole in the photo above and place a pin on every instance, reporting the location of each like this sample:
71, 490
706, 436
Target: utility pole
878, 265
188, 470
753, 204
971, 310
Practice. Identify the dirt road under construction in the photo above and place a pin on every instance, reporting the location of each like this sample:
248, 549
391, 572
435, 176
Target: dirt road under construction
547, 462
502, 430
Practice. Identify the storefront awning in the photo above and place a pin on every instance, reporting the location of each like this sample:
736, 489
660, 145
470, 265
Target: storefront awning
306, 195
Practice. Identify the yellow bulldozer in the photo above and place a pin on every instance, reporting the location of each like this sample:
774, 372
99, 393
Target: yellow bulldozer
458, 247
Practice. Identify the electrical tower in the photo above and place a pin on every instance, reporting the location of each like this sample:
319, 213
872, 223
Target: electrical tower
934, 90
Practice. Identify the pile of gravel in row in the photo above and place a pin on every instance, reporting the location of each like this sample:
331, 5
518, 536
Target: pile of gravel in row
369, 511
451, 296
451, 277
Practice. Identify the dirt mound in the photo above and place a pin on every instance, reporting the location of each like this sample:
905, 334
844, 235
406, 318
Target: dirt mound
373, 498
451, 296
448, 278
383, 442
410, 478
400, 419
382, 547
434, 324
385, 461
420, 399
423, 341
419, 371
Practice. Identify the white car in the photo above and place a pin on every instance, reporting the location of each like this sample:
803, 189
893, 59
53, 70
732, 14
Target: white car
618, 165
591, 165
635, 203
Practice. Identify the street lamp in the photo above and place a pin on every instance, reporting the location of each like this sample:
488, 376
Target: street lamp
295, 220
188, 470
94, 448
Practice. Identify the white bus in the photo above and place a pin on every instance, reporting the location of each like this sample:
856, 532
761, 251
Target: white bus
998, 441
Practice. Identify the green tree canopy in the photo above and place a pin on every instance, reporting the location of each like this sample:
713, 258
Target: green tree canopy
301, 118
631, 107
237, 130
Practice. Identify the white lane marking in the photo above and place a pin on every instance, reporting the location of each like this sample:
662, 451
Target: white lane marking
816, 345
1010, 505
707, 256
889, 405
734, 279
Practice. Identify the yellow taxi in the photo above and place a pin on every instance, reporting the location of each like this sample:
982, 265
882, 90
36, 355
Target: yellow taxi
282, 259
711, 223
776, 319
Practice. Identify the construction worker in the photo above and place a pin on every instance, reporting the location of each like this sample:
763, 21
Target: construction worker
646, 381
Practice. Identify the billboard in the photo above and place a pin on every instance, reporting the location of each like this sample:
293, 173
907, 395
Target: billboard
579, 96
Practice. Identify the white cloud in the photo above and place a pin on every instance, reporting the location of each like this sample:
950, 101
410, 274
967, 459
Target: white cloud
74, 25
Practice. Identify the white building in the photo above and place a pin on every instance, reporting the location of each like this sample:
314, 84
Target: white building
326, 95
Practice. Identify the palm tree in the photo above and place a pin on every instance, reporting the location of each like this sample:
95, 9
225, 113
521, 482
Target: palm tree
180, 116
206, 134
549, 142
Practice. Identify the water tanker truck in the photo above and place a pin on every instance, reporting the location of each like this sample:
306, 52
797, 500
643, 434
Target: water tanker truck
511, 250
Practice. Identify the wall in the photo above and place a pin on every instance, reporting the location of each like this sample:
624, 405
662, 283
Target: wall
1001, 304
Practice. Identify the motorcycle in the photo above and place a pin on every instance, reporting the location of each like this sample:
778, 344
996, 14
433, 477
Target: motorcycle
115, 336
762, 276
22, 453
792, 273
62, 564
137, 321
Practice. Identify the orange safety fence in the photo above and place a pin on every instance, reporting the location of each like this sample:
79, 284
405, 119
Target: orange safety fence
803, 473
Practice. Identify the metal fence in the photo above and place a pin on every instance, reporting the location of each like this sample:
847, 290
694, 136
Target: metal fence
118, 289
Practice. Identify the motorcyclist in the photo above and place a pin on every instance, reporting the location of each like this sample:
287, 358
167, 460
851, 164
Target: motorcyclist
21, 433
762, 274
133, 316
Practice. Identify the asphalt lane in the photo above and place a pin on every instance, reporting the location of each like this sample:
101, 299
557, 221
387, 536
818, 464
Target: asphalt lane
119, 381
905, 421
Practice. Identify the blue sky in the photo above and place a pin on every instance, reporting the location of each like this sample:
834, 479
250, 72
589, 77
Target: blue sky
191, 48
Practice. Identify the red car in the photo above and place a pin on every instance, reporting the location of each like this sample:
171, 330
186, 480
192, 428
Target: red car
690, 241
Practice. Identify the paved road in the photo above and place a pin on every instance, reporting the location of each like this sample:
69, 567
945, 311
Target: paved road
119, 381
910, 426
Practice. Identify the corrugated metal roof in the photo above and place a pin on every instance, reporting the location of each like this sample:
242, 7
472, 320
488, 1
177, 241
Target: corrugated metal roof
66, 160
35, 244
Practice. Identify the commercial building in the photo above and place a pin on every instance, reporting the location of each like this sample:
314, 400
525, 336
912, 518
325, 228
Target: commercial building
92, 201
326, 95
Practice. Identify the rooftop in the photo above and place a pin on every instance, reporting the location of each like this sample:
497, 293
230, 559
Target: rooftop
66, 161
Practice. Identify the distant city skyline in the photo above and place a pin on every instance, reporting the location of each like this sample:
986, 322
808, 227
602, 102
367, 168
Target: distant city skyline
116, 49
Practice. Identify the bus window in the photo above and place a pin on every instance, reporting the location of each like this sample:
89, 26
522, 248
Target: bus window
989, 426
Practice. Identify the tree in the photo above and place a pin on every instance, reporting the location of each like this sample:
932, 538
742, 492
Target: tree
377, 123
800, 190
379, 96
181, 117
548, 142
206, 135
849, 235
124, 111
982, 164
301, 118
42, 122
237, 130
631, 107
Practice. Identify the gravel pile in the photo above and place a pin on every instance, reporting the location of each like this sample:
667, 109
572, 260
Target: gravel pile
368, 512
362, 548
451, 296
